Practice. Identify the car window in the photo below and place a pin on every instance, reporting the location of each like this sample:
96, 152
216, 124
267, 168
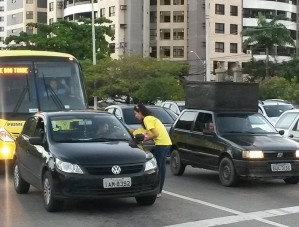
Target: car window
40, 128
243, 123
87, 128
173, 115
181, 107
110, 110
29, 127
286, 120
201, 121
160, 113
276, 110
173, 108
117, 112
186, 120
166, 105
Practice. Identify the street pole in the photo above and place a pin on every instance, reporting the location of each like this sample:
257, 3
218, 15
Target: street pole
95, 101
208, 61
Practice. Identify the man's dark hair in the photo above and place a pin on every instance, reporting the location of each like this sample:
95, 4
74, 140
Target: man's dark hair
140, 108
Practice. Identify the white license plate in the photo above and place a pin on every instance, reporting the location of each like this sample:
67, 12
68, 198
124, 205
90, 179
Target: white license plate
281, 167
117, 182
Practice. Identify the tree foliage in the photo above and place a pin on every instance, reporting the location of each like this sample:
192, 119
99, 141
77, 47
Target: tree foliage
256, 69
288, 70
143, 79
67, 37
268, 34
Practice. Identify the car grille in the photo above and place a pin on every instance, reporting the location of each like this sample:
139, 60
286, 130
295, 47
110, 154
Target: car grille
100, 191
275, 154
106, 170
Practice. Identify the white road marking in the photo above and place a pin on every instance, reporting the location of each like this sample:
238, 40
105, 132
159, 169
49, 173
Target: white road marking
238, 217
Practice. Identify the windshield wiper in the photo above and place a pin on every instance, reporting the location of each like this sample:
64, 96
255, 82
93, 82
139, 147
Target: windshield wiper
241, 132
107, 139
22, 96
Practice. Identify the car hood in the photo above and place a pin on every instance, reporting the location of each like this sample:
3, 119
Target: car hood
99, 153
263, 142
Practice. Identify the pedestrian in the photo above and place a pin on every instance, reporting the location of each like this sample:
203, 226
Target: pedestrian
158, 133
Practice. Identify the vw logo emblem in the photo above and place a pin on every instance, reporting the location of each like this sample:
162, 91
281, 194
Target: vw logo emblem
116, 169
279, 155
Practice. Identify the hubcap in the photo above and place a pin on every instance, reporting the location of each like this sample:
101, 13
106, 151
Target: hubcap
47, 191
16, 176
175, 162
226, 172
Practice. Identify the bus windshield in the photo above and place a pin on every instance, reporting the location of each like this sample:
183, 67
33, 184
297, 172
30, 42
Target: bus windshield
46, 85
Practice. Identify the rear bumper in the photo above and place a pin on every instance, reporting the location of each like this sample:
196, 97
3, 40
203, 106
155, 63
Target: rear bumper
7, 150
262, 169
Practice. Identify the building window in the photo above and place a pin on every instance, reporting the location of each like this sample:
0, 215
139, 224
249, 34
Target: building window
112, 47
1, 18
12, 31
29, 15
1, 29
165, 16
112, 27
153, 17
219, 28
14, 15
13, 1
1, 8
165, 52
178, 52
1, 39
29, 30
111, 11
234, 29
178, 34
219, 9
219, 47
153, 2
234, 48
51, 20
234, 10
178, 2
102, 12
153, 52
178, 16
29, 1
51, 6
164, 2
153, 34
165, 34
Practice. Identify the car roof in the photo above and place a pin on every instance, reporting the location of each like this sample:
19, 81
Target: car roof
130, 106
71, 112
272, 103
177, 102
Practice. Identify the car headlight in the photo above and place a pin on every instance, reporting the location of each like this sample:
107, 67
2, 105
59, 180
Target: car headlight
5, 136
253, 154
297, 154
68, 167
150, 165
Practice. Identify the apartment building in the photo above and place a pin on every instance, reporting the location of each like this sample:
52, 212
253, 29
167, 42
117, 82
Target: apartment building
2, 22
271, 8
20, 12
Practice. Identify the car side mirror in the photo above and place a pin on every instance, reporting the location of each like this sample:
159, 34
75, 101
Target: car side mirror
35, 141
208, 132
281, 132
139, 138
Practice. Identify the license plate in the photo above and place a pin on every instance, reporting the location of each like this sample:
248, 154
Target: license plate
117, 182
281, 167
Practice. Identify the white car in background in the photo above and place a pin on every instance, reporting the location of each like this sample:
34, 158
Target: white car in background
176, 106
288, 122
273, 108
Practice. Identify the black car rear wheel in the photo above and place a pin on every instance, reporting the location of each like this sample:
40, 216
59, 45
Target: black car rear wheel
146, 200
21, 186
227, 173
176, 166
292, 180
51, 204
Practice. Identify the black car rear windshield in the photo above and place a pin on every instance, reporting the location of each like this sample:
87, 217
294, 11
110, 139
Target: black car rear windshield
160, 113
86, 128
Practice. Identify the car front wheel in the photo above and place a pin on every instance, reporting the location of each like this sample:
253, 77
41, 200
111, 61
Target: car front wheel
20, 185
51, 204
227, 173
146, 200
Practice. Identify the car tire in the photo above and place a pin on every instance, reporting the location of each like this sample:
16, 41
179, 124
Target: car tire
146, 200
51, 204
20, 185
176, 166
227, 173
292, 180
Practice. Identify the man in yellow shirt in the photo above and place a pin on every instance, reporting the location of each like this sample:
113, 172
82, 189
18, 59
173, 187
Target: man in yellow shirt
158, 133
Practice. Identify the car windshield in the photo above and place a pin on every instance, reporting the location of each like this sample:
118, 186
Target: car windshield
276, 110
252, 123
159, 113
87, 128
171, 113
286, 120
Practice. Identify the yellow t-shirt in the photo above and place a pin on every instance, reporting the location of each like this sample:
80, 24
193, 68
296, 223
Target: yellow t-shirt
163, 138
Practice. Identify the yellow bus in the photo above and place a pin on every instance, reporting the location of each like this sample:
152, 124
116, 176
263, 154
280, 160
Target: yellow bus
32, 81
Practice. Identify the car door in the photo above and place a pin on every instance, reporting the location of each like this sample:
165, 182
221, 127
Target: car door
23, 146
294, 131
204, 146
181, 132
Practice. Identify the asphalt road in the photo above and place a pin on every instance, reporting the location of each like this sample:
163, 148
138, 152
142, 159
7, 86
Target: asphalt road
196, 199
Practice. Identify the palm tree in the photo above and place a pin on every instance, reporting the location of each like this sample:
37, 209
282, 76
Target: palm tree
268, 34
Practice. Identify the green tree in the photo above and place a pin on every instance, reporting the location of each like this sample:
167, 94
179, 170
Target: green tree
136, 77
268, 34
288, 70
256, 69
65, 36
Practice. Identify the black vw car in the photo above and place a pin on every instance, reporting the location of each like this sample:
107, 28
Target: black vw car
82, 155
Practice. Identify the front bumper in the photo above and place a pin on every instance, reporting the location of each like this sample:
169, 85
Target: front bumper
7, 150
75, 186
262, 169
